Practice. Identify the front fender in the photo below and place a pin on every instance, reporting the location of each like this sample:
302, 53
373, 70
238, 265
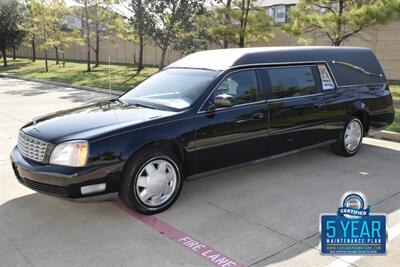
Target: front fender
139, 141
122, 146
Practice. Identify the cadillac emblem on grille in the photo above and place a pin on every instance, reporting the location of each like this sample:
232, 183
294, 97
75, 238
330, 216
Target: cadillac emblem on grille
31, 148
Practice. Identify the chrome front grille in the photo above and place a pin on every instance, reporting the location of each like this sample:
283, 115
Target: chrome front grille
30, 147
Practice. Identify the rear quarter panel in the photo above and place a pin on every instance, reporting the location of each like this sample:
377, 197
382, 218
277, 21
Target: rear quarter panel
379, 104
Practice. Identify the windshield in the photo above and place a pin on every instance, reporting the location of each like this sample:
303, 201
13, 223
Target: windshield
175, 88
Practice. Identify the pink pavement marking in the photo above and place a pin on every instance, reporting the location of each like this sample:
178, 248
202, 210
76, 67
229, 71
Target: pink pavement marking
206, 252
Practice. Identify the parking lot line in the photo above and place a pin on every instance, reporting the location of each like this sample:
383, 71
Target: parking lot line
201, 249
345, 261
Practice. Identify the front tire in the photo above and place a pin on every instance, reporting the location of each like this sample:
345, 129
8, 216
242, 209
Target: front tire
350, 139
152, 181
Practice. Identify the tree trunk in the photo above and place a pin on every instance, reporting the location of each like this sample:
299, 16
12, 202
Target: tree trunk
339, 24
163, 53
14, 54
140, 25
141, 50
226, 43
82, 18
228, 20
97, 51
46, 61
243, 22
241, 40
87, 35
56, 52
3, 52
33, 49
336, 43
46, 64
63, 56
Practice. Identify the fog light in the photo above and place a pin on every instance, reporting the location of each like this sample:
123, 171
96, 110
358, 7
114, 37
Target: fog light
90, 189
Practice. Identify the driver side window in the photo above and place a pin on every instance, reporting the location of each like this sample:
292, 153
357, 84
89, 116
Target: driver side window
242, 85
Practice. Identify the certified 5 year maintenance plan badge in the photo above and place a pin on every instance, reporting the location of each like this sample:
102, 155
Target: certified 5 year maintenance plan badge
353, 230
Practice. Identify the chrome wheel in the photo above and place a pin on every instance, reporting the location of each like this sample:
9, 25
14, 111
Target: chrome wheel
353, 136
156, 182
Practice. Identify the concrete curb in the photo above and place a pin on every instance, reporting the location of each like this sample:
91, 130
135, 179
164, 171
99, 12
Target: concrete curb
386, 135
81, 87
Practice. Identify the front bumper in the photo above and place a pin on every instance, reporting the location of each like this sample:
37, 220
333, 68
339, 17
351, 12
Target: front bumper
64, 181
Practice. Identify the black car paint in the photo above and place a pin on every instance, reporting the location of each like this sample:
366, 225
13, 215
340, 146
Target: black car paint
205, 139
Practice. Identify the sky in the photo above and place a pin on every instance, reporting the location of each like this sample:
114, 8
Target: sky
121, 9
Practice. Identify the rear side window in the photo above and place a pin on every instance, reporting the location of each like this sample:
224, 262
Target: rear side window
242, 86
292, 81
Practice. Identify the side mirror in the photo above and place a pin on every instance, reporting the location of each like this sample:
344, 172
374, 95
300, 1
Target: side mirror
223, 101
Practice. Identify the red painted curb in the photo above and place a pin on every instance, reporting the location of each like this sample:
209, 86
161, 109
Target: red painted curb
206, 252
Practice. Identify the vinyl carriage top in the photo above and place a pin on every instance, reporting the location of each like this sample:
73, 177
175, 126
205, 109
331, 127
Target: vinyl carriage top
349, 65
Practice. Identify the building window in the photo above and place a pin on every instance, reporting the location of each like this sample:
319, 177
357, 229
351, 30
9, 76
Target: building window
71, 20
278, 13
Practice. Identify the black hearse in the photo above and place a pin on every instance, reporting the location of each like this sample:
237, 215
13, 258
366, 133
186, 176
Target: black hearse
205, 112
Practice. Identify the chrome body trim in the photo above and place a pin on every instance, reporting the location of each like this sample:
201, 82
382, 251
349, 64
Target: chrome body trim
203, 174
266, 66
292, 97
355, 67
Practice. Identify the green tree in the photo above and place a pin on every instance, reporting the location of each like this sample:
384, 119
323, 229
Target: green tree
105, 24
43, 19
340, 19
228, 20
99, 22
196, 37
47, 16
138, 22
53, 18
240, 22
30, 27
11, 35
60, 35
169, 20
83, 13
86, 4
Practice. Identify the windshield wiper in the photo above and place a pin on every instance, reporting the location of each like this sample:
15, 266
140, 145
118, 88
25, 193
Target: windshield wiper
144, 105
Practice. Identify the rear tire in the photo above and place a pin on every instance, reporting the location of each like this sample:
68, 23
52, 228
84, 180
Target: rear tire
152, 181
350, 139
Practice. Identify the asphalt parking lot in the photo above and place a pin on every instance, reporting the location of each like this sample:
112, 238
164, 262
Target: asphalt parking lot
259, 215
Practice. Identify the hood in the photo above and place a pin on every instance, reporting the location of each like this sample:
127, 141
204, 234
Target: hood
90, 121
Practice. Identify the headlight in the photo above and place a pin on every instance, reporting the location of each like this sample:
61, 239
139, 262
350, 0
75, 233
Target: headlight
72, 153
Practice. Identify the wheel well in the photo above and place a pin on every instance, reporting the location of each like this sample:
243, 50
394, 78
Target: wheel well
169, 145
364, 118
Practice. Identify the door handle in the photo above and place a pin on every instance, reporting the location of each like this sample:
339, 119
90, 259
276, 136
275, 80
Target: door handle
318, 107
257, 116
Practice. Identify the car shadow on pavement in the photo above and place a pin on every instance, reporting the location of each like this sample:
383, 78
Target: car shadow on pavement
258, 215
